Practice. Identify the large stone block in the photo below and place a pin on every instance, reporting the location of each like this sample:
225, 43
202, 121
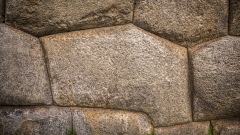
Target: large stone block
120, 67
43, 17
234, 17
195, 128
110, 122
1, 11
226, 127
185, 22
35, 120
23, 74
216, 72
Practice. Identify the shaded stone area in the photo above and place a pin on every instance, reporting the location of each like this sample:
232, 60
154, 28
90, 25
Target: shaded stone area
182, 21
23, 75
110, 122
234, 17
1, 11
216, 72
226, 127
54, 16
35, 120
195, 128
120, 67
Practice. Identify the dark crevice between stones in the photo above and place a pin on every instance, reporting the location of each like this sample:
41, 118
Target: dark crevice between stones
229, 17
210, 130
45, 57
190, 81
134, 6
4, 10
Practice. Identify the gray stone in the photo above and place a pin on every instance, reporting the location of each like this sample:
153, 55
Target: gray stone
40, 17
195, 128
1, 11
226, 127
120, 67
35, 120
216, 72
185, 22
110, 122
234, 17
23, 75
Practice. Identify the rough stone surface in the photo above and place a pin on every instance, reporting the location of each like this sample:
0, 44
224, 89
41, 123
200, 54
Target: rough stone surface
195, 128
23, 75
35, 120
226, 127
216, 72
234, 19
1, 13
185, 22
110, 122
40, 17
120, 67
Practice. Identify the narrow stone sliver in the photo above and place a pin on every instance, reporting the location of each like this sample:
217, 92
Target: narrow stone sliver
23, 75
122, 67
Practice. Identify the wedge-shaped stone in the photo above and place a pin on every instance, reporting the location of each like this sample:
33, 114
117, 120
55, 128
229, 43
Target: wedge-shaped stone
226, 127
120, 67
23, 76
216, 72
40, 17
110, 122
185, 22
195, 128
234, 17
1, 12
35, 120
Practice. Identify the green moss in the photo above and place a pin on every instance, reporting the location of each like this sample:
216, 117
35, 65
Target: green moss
72, 132
152, 132
210, 130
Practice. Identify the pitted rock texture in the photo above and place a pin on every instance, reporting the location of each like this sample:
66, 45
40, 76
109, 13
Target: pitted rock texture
35, 120
195, 128
23, 74
54, 16
216, 72
110, 122
234, 19
182, 21
120, 67
1, 11
226, 127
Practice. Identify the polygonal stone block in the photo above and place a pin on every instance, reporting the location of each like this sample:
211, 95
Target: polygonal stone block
35, 120
40, 17
234, 17
195, 128
120, 67
23, 75
216, 76
185, 22
226, 127
110, 122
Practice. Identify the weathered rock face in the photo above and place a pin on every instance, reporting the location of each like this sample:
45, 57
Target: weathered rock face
216, 71
182, 21
120, 67
23, 75
110, 122
195, 128
234, 19
35, 120
1, 12
226, 127
47, 17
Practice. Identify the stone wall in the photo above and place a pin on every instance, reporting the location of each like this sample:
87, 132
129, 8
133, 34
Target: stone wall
120, 67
